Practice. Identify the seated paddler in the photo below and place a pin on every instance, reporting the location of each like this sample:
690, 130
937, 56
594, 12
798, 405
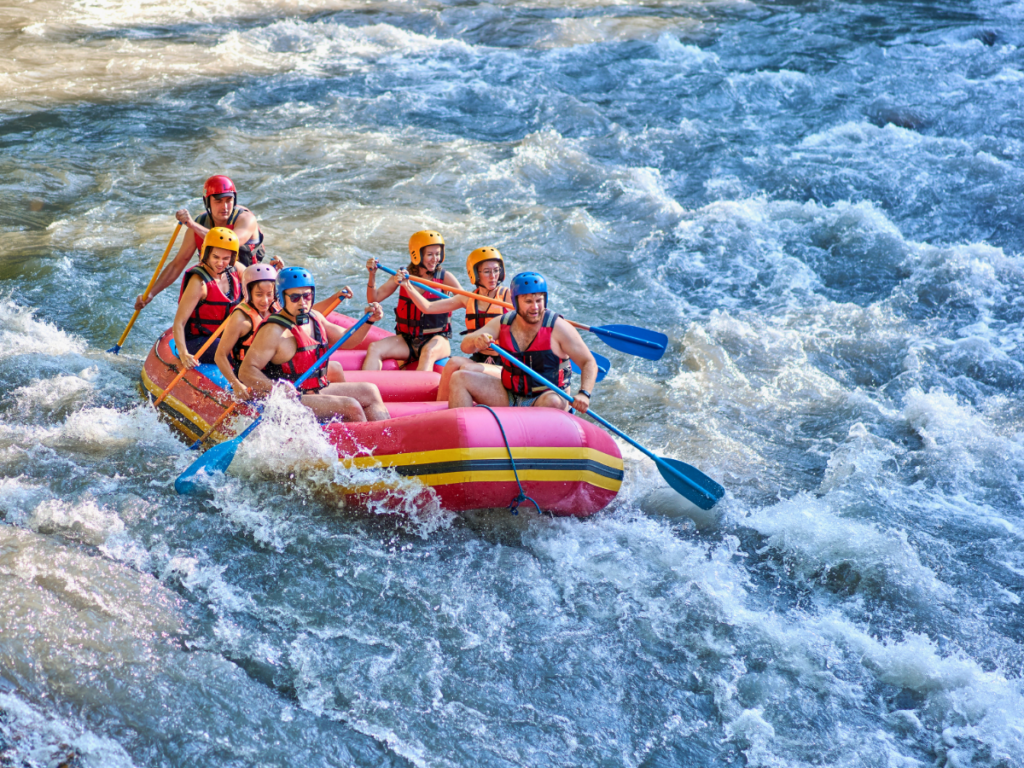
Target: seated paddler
209, 291
537, 337
259, 288
421, 338
486, 269
289, 342
220, 198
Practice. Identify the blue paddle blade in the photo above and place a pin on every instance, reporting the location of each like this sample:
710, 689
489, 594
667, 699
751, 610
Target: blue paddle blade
639, 342
114, 349
603, 366
690, 482
217, 459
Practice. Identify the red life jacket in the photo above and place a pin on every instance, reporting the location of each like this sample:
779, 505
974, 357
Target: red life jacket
479, 313
412, 322
215, 308
237, 354
309, 349
537, 355
249, 253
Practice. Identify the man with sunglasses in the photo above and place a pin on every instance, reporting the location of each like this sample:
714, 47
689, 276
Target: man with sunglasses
289, 342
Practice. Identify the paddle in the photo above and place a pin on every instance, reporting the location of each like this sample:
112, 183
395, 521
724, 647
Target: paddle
639, 342
603, 363
185, 369
230, 409
217, 422
117, 347
219, 458
682, 478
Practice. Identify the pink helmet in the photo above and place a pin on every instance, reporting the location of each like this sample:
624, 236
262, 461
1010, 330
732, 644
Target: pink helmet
257, 273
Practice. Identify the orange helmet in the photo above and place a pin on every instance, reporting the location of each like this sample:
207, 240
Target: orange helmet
220, 237
421, 240
480, 255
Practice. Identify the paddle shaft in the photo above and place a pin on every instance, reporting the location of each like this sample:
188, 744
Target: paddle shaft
654, 457
429, 285
230, 409
117, 347
313, 369
227, 412
185, 369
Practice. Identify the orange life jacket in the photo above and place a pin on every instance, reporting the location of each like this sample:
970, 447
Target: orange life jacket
238, 352
479, 313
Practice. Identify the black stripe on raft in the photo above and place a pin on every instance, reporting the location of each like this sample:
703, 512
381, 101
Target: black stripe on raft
491, 465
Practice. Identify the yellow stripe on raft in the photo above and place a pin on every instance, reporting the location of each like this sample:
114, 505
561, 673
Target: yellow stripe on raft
470, 454
175, 404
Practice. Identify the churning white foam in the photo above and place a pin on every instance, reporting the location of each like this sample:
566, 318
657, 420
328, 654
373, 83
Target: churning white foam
33, 738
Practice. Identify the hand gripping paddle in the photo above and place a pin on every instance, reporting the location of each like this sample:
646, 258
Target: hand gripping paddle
219, 458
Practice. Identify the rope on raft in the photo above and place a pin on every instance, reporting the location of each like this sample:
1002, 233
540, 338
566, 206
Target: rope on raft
514, 506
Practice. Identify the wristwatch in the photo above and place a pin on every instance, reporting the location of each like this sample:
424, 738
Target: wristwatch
584, 392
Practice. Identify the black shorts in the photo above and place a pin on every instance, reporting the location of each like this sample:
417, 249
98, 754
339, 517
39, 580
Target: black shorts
485, 358
416, 344
193, 343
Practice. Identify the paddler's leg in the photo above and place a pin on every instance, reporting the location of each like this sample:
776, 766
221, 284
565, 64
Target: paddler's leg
327, 407
454, 364
469, 386
366, 394
462, 364
391, 348
435, 349
335, 373
550, 400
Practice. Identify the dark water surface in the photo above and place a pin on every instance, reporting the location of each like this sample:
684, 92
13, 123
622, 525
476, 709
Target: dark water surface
818, 202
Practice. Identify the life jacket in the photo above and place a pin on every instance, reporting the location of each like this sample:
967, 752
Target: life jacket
215, 308
309, 349
412, 322
238, 352
537, 355
251, 252
479, 313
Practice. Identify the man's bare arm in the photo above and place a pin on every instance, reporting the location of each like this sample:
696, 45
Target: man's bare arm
261, 352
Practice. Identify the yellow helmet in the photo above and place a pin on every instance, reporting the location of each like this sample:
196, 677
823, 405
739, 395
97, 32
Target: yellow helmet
220, 237
421, 240
480, 255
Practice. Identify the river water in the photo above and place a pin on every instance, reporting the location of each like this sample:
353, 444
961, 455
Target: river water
818, 202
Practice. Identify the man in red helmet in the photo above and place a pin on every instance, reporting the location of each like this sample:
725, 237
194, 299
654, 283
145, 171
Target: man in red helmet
222, 210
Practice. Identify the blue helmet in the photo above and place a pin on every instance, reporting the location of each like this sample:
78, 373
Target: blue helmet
294, 277
529, 282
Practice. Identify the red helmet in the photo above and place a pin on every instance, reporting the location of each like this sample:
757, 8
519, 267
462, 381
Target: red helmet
219, 185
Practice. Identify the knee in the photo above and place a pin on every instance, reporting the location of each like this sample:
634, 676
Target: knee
370, 392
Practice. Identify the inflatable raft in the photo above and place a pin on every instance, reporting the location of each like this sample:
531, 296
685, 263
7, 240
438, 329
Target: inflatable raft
567, 465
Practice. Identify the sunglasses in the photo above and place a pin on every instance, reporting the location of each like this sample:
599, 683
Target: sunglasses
297, 297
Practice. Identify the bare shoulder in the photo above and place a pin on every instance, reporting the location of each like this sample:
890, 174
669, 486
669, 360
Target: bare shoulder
246, 217
563, 326
269, 333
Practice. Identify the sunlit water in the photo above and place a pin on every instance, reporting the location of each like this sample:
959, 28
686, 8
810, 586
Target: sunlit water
819, 203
